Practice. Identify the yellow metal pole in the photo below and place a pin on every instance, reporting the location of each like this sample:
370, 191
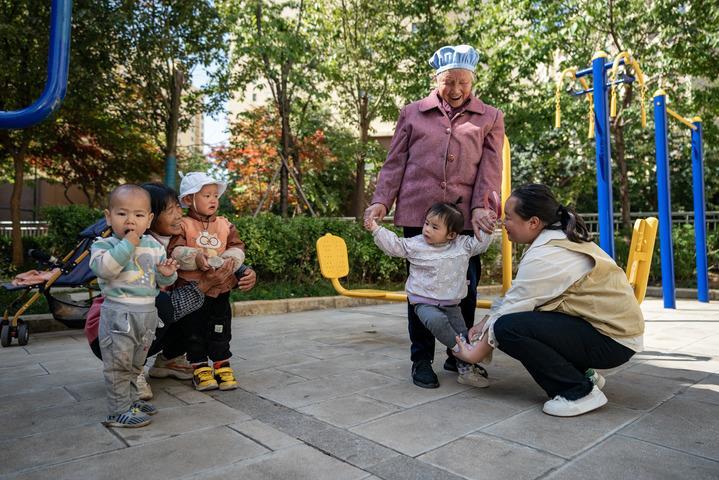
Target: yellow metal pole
682, 119
506, 191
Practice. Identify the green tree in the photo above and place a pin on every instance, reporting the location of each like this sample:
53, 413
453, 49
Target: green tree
275, 43
92, 115
361, 65
164, 42
526, 43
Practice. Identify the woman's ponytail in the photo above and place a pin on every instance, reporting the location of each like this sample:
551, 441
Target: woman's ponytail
573, 225
537, 200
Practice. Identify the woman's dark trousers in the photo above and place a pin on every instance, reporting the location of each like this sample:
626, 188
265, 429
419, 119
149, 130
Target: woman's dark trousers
557, 349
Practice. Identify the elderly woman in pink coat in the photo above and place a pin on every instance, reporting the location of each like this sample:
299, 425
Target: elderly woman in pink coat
445, 147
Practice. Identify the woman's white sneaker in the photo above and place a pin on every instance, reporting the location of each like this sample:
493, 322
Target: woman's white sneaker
561, 407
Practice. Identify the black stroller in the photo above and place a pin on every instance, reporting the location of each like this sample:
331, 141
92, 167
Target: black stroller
74, 271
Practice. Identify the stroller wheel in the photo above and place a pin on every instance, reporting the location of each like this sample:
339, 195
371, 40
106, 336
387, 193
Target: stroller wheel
5, 337
23, 333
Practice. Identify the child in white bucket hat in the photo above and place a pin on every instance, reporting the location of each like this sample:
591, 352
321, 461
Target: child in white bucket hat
207, 241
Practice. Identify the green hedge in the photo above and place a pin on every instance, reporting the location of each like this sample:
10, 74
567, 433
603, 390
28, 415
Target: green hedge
283, 250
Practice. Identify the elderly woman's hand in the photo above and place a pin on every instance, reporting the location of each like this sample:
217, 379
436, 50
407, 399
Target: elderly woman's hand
483, 219
376, 212
213, 278
248, 280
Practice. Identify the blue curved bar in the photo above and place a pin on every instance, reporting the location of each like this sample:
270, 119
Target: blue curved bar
57, 68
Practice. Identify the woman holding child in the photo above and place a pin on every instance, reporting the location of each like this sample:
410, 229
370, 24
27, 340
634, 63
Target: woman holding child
161, 211
447, 146
570, 308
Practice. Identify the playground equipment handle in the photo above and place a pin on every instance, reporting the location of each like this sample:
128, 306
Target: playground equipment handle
57, 68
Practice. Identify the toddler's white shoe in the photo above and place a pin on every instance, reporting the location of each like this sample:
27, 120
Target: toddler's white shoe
143, 388
473, 377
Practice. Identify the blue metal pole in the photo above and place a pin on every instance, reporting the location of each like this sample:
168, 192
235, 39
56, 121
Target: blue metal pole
700, 234
664, 198
57, 66
603, 154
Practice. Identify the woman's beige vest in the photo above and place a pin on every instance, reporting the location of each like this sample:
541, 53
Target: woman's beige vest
603, 297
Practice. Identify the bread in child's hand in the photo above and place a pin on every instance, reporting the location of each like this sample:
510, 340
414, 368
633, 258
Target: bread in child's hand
236, 254
185, 257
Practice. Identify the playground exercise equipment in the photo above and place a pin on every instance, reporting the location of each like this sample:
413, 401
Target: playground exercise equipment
57, 68
334, 264
599, 116
599, 126
665, 202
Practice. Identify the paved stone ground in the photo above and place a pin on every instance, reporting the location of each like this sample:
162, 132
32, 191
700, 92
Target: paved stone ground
327, 395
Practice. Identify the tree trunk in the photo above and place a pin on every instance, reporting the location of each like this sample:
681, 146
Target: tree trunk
15, 202
620, 156
285, 146
359, 197
172, 126
619, 151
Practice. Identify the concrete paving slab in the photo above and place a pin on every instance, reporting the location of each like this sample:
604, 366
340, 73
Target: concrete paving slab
338, 365
14, 386
249, 364
641, 392
431, 425
564, 437
87, 390
52, 419
22, 371
326, 352
349, 447
677, 365
264, 380
338, 349
622, 457
708, 346
480, 456
14, 356
72, 364
170, 422
43, 449
407, 468
518, 392
681, 424
265, 435
96, 390
293, 423
705, 391
313, 391
400, 369
406, 394
26, 403
297, 463
349, 411
185, 393
167, 460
